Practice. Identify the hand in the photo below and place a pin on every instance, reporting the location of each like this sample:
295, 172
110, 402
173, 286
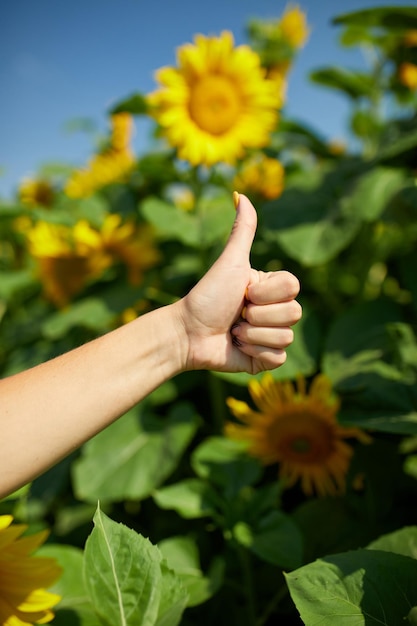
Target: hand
218, 336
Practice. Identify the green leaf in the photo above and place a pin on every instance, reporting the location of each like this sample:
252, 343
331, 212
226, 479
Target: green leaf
275, 539
383, 420
67, 210
365, 124
386, 17
225, 463
361, 587
331, 525
133, 456
372, 362
128, 582
91, 313
174, 598
312, 225
410, 463
19, 494
182, 556
407, 264
352, 83
210, 222
215, 216
355, 36
191, 498
403, 541
75, 606
374, 191
296, 134
122, 572
170, 222
15, 281
135, 104
358, 338
400, 145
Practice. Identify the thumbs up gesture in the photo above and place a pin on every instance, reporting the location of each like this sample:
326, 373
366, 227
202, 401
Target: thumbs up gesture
238, 319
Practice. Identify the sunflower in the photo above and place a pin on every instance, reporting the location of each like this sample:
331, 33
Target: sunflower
24, 578
410, 38
293, 26
110, 166
131, 244
35, 192
67, 257
260, 175
298, 430
216, 103
407, 75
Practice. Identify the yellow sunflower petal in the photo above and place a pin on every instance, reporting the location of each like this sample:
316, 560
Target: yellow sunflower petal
216, 103
297, 429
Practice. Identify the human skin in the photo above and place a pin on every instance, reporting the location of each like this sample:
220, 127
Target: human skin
50, 410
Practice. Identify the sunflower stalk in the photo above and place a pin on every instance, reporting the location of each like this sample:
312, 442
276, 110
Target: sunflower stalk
248, 586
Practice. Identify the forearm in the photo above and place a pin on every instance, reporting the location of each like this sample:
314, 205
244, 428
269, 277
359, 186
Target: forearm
51, 409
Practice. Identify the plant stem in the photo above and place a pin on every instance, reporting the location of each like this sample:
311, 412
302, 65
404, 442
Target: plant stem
218, 405
244, 558
276, 599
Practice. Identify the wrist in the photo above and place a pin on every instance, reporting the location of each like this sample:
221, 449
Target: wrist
174, 339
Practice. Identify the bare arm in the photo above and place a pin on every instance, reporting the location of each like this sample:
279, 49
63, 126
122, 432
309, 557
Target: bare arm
50, 410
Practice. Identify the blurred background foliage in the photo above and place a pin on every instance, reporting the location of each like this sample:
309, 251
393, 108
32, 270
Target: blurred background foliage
196, 525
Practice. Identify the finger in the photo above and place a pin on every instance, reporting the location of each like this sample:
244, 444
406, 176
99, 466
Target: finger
269, 337
265, 358
278, 314
243, 232
273, 287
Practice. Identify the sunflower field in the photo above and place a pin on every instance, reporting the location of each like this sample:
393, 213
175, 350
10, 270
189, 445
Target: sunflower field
282, 498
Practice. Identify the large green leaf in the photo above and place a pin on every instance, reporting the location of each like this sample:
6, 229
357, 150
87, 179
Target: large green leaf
387, 17
407, 265
354, 84
15, 281
170, 222
394, 421
128, 582
133, 456
374, 191
401, 144
91, 313
215, 215
275, 539
358, 338
313, 224
181, 554
225, 463
372, 360
191, 498
209, 223
362, 587
403, 541
174, 597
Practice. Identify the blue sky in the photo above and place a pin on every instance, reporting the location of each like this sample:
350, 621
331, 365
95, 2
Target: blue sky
60, 61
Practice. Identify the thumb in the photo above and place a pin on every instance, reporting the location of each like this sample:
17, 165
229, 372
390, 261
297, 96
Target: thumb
243, 230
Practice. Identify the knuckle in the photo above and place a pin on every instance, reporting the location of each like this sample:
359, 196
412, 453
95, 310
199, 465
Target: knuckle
280, 358
290, 284
287, 337
295, 312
